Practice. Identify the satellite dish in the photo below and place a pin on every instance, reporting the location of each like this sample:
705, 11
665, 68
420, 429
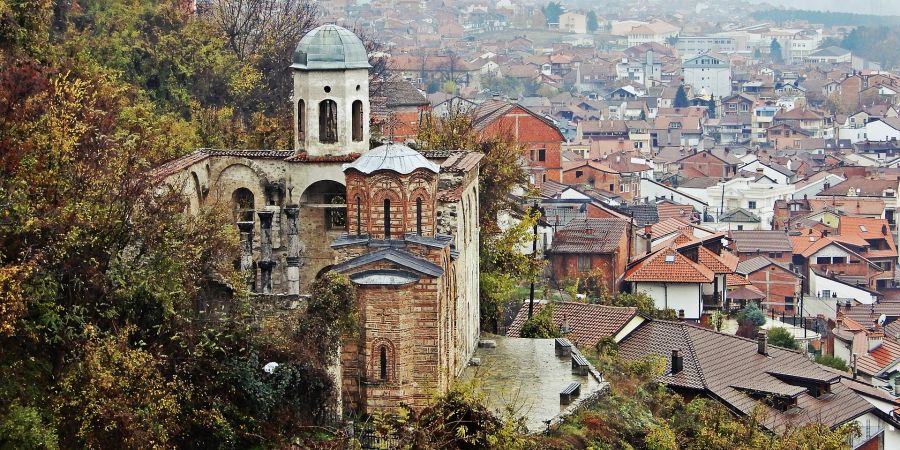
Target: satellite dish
881, 320
270, 367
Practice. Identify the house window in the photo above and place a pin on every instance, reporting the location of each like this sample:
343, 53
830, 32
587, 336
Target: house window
612, 188
584, 263
327, 122
301, 120
789, 303
826, 293
383, 365
740, 228
579, 173
357, 121
774, 254
542, 155
751, 204
823, 260
387, 219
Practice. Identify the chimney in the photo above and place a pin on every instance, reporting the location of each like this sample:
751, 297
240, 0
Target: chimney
762, 343
896, 386
875, 338
677, 362
853, 364
648, 232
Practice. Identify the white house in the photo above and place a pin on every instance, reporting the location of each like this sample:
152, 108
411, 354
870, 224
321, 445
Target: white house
886, 129
709, 74
750, 195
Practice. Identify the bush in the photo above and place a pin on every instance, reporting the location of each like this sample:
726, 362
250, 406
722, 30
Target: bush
540, 325
751, 314
832, 361
781, 337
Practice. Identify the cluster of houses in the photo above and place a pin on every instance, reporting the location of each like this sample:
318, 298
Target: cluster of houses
682, 158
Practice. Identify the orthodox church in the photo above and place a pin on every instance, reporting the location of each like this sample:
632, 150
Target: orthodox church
402, 225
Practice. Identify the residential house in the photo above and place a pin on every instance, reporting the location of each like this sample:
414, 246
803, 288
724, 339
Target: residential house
398, 106
707, 164
594, 174
742, 192
540, 137
772, 244
746, 375
708, 74
573, 22
775, 279
585, 245
656, 31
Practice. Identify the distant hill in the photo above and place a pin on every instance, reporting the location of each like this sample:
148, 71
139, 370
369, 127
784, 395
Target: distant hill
826, 18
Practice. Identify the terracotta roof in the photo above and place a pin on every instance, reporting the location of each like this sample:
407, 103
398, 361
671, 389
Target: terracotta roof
461, 162
869, 229
572, 165
590, 236
875, 361
176, 165
733, 279
760, 241
272, 154
305, 157
746, 293
667, 265
867, 187
587, 323
668, 226
669, 210
724, 263
739, 376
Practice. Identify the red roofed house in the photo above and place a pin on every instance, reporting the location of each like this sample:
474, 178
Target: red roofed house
542, 140
593, 173
686, 275
587, 244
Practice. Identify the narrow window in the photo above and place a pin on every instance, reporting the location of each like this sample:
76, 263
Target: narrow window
327, 122
419, 216
301, 120
387, 219
358, 214
383, 365
357, 121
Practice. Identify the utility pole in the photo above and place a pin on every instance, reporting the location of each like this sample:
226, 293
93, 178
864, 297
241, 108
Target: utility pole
534, 209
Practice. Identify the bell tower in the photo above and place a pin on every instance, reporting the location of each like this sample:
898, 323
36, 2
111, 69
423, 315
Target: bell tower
331, 93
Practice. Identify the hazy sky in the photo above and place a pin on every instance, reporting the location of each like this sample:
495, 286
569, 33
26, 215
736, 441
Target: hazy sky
880, 7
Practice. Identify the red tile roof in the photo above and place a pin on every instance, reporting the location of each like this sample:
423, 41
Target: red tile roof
587, 323
724, 263
667, 265
305, 157
593, 235
178, 164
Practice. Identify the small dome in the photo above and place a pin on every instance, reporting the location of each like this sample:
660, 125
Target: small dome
394, 157
330, 47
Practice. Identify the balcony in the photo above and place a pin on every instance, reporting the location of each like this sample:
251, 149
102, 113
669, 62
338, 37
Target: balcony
869, 432
712, 302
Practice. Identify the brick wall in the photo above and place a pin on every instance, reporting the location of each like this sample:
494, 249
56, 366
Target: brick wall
777, 284
402, 191
534, 134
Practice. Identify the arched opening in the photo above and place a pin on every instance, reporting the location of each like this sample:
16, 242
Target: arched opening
328, 122
358, 216
419, 216
383, 364
357, 121
387, 218
301, 120
242, 203
198, 190
327, 192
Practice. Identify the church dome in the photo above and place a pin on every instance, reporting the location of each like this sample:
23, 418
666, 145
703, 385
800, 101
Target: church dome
330, 47
394, 157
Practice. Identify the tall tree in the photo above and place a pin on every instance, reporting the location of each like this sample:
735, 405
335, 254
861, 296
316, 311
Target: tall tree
775, 51
711, 108
592, 24
552, 12
681, 100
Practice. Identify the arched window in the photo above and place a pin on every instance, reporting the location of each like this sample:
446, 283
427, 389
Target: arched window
358, 214
301, 120
328, 122
387, 218
383, 364
357, 121
419, 216
242, 200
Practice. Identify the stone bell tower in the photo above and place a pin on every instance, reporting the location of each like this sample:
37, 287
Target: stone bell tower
331, 93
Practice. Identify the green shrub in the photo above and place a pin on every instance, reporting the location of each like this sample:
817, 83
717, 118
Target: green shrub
832, 361
781, 337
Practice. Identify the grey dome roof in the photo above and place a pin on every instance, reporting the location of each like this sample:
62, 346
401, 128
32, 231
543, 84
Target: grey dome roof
394, 157
330, 47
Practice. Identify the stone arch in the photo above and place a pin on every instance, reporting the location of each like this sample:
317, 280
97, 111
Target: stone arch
243, 204
383, 361
328, 192
324, 270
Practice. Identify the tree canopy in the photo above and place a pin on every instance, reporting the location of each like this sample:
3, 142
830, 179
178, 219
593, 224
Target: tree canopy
681, 100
